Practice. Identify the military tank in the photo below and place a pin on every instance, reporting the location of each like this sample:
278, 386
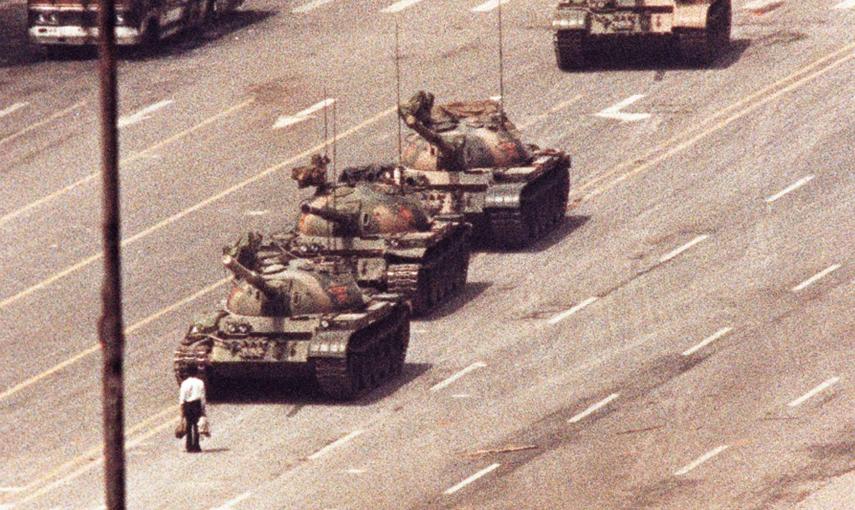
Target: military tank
385, 236
700, 28
467, 158
287, 317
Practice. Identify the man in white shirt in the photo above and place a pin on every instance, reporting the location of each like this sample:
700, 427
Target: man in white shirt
191, 398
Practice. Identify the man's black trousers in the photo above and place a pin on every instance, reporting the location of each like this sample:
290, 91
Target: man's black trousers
192, 412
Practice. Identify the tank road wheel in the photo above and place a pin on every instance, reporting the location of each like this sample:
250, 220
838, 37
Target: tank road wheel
702, 47
570, 48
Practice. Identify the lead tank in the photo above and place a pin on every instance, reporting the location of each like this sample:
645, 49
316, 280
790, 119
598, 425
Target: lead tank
386, 237
468, 158
699, 28
288, 317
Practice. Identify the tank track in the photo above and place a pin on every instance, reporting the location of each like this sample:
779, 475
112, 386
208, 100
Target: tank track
702, 46
380, 358
542, 207
570, 48
428, 284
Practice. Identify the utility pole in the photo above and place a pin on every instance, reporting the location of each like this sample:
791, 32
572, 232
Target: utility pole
111, 324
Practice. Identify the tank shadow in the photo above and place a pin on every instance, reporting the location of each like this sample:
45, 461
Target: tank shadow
471, 291
16, 50
305, 392
656, 56
552, 238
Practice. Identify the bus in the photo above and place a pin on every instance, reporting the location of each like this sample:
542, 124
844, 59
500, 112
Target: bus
57, 23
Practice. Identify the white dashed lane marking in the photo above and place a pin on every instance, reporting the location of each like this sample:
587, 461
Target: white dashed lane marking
815, 278
12, 109
311, 6
229, 505
144, 114
476, 476
51, 118
593, 409
489, 5
845, 4
789, 189
700, 460
615, 113
812, 393
399, 6
672, 254
762, 6
567, 313
289, 120
710, 339
458, 375
336, 444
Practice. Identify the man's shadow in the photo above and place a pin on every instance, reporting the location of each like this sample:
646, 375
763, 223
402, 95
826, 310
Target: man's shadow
563, 229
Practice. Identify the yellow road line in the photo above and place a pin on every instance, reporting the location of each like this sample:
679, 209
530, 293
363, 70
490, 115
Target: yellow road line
88, 460
41, 123
718, 115
649, 163
96, 347
555, 109
130, 159
177, 216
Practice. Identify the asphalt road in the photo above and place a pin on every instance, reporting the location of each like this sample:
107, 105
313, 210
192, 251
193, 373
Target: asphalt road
683, 340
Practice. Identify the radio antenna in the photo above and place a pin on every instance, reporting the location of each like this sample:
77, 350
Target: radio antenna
398, 86
326, 125
335, 176
334, 140
501, 63
398, 104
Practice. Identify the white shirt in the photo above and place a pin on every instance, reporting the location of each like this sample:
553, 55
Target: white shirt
191, 389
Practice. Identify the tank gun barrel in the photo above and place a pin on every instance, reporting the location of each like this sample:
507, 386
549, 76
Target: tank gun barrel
413, 122
346, 221
251, 277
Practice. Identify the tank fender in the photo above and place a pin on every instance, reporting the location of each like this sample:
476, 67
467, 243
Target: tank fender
570, 18
504, 196
408, 253
691, 15
329, 344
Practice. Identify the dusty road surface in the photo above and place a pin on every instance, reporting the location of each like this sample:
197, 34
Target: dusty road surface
684, 339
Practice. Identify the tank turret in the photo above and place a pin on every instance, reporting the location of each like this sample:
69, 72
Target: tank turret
347, 223
459, 136
289, 317
367, 209
251, 277
467, 158
384, 234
